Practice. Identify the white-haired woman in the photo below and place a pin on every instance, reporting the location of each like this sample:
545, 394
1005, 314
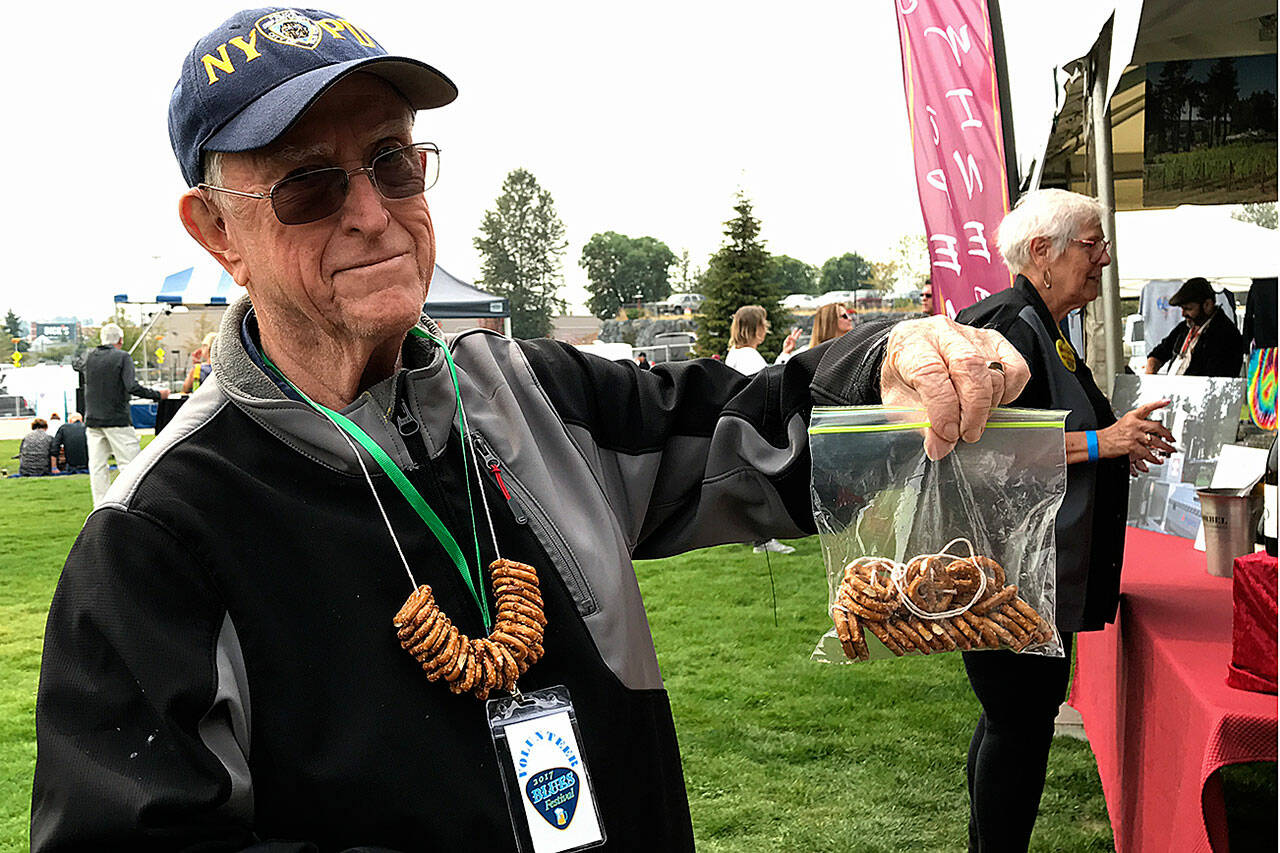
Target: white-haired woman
1053, 241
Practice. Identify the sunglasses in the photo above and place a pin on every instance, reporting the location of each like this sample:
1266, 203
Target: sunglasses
313, 195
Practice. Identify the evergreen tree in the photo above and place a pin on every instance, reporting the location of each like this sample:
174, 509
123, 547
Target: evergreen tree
522, 243
740, 273
13, 324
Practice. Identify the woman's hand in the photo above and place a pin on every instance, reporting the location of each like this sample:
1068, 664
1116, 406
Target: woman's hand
789, 344
1137, 436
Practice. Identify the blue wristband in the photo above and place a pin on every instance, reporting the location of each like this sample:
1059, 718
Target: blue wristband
1091, 438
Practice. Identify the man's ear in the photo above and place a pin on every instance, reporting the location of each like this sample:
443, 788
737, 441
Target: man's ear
206, 225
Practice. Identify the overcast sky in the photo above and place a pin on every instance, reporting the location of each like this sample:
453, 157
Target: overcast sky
643, 119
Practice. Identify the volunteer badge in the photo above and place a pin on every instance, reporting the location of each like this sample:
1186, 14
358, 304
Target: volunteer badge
554, 794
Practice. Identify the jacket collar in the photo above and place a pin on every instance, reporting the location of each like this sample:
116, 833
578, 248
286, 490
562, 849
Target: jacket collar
422, 390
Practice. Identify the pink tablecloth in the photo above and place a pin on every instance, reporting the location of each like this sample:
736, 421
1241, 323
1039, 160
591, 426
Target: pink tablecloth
1157, 709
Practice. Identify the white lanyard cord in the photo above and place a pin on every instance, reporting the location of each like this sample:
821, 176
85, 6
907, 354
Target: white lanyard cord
390, 530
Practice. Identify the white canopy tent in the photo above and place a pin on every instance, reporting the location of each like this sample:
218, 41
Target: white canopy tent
1190, 240
206, 283
1043, 49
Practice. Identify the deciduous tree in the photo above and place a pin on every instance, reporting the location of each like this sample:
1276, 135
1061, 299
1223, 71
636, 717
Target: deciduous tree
793, 275
850, 271
1259, 214
622, 269
522, 244
884, 275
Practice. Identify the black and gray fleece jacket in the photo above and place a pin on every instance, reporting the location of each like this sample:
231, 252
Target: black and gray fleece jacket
220, 670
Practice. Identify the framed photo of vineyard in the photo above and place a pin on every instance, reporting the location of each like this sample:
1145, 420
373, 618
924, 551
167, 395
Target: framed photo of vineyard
1210, 131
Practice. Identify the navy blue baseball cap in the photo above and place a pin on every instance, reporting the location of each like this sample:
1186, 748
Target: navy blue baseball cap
248, 81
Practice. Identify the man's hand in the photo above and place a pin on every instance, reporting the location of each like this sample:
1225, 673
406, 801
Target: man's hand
950, 370
164, 393
792, 339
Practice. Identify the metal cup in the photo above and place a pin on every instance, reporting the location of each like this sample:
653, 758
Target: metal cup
1229, 520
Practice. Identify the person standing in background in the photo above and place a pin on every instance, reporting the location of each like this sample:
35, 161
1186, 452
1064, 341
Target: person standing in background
1260, 315
1206, 343
747, 331
108, 384
200, 364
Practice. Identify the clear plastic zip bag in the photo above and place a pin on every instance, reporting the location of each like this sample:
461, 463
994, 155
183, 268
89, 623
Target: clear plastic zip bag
926, 556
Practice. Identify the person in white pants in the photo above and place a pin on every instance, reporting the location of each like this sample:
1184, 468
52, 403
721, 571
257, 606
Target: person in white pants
120, 441
108, 384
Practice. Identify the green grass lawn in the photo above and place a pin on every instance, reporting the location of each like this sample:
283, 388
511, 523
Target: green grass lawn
780, 754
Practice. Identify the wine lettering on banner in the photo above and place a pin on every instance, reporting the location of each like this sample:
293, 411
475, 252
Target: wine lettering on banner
953, 105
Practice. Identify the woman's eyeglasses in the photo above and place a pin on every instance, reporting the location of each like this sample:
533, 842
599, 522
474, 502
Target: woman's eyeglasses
310, 196
1095, 248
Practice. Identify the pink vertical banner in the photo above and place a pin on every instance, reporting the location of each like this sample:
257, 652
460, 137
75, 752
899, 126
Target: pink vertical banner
953, 105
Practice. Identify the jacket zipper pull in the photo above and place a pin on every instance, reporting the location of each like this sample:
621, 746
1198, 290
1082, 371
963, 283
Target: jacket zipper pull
405, 422
494, 465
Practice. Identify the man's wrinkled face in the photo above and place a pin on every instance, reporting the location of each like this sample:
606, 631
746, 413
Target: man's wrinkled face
1197, 313
361, 272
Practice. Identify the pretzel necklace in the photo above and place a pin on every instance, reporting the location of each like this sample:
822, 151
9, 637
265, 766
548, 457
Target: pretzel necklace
477, 665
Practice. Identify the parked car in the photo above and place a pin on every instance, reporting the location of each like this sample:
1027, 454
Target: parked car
681, 303
799, 300
671, 346
848, 296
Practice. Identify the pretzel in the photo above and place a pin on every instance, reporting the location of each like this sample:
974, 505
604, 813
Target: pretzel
956, 636
933, 603
995, 600
930, 594
881, 631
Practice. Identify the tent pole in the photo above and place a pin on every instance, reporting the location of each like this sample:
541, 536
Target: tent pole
1104, 173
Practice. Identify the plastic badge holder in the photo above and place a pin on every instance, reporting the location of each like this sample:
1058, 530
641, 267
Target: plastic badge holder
549, 793
877, 495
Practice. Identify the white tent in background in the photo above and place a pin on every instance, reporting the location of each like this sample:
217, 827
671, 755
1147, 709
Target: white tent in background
206, 283
1190, 240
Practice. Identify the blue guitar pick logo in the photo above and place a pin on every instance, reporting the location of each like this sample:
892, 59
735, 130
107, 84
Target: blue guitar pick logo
554, 793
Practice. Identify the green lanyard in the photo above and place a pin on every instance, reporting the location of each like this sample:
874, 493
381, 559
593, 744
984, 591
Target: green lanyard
411, 495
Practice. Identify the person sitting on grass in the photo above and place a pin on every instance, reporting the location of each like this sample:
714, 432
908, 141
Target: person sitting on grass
35, 451
71, 446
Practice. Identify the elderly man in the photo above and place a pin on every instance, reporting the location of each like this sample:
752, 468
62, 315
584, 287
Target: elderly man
1206, 343
277, 628
108, 384
72, 443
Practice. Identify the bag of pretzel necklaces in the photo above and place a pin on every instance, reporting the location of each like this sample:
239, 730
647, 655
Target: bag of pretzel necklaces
927, 556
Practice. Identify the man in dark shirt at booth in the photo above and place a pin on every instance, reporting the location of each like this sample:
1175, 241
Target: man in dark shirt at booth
1206, 343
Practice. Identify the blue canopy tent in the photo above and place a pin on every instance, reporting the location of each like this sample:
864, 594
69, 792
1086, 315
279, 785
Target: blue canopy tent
209, 284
